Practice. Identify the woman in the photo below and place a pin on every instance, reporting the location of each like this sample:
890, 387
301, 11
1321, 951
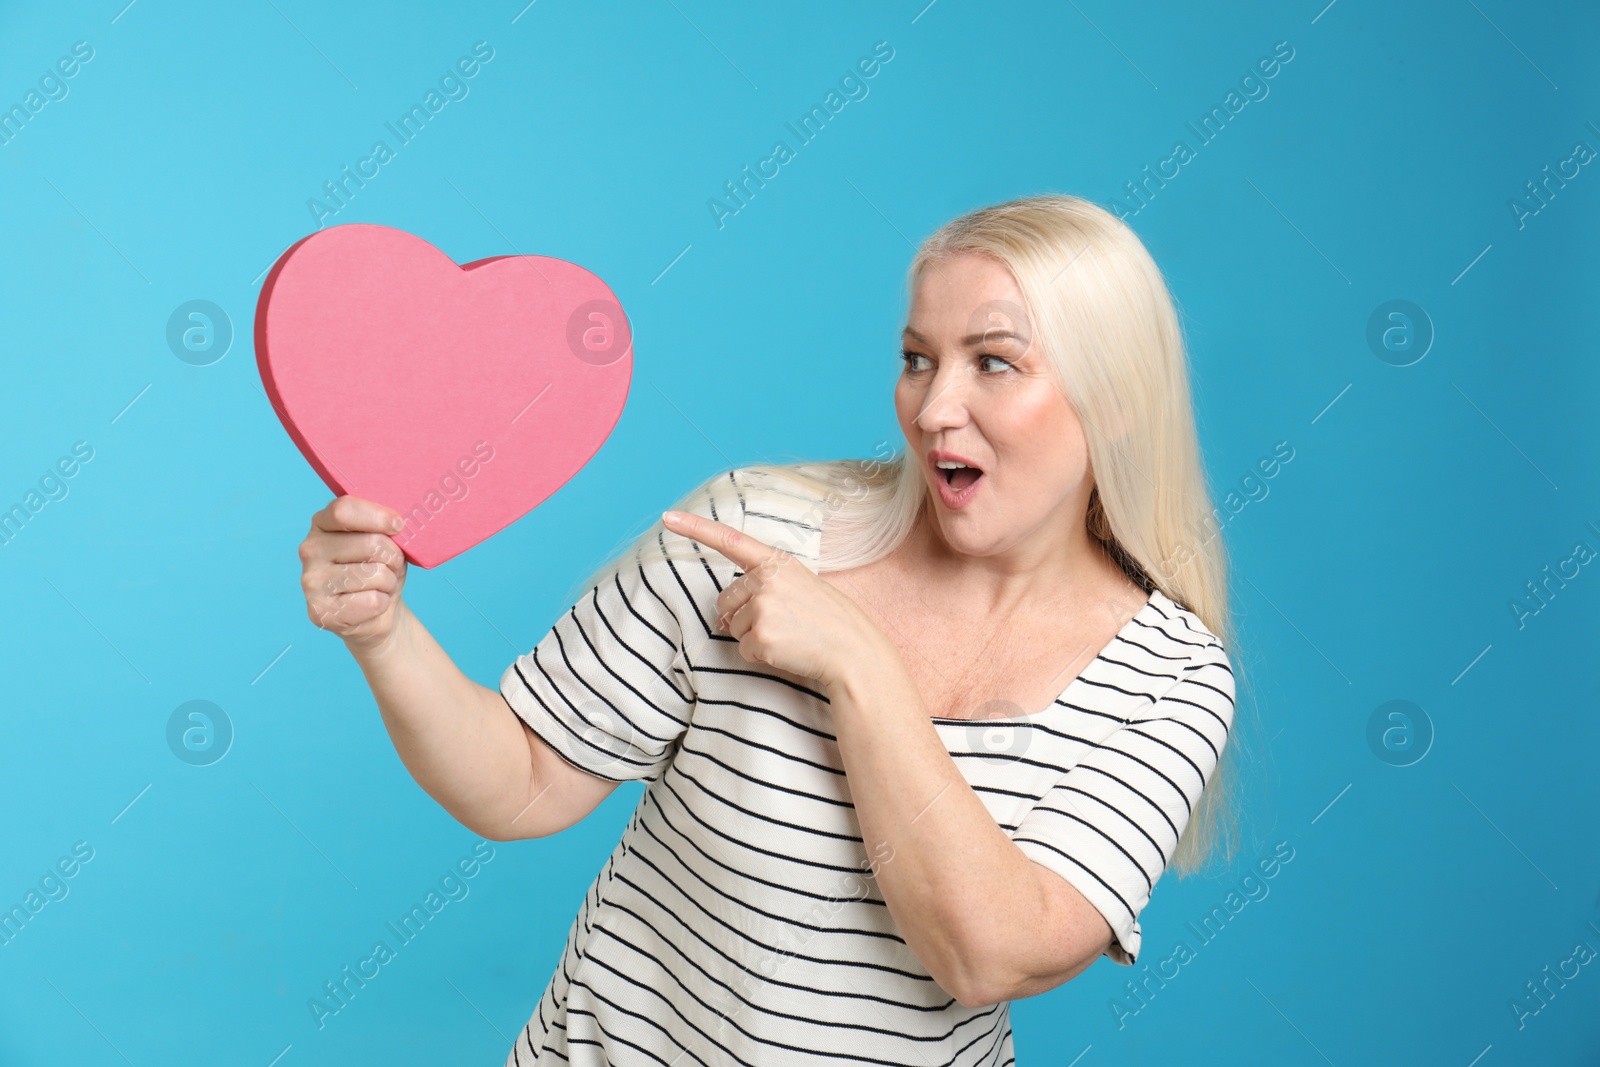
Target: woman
920, 735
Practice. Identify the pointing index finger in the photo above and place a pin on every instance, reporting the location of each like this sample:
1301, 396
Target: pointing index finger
741, 548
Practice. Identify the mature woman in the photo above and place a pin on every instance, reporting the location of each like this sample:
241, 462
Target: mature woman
920, 735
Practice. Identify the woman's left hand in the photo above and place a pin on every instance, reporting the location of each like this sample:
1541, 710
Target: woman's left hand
782, 613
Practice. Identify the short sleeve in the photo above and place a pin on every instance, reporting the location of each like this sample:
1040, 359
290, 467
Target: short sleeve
609, 687
1110, 823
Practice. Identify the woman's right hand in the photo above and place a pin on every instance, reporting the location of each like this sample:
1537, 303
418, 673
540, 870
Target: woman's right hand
352, 570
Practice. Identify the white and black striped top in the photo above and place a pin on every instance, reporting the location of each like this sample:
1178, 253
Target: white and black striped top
736, 922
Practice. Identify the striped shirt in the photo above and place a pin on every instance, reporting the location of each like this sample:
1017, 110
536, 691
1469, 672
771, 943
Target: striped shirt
737, 920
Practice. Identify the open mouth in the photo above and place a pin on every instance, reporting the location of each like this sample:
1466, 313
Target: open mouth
958, 476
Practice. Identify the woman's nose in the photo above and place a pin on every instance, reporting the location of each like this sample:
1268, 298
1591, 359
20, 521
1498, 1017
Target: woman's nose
944, 405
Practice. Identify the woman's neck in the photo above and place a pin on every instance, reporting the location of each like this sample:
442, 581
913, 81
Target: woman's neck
1049, 572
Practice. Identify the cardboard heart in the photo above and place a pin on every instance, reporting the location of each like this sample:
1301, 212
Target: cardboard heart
461, 396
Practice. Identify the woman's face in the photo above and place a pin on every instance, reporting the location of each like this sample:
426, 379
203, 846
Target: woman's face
976, 390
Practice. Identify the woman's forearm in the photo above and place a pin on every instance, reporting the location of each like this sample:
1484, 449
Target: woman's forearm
459, 739
962, 894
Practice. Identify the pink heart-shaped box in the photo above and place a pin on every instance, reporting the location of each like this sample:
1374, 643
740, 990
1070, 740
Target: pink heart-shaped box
461, 396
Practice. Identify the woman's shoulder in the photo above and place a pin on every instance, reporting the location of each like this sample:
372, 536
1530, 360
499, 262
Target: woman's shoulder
1182, 627
1198, 656
778, 506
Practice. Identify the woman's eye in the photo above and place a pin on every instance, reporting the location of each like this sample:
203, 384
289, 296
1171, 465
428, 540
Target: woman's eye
911, 358
916, 361
1004, 364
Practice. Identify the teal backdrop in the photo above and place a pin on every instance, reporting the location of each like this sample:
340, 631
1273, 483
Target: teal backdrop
1385, 256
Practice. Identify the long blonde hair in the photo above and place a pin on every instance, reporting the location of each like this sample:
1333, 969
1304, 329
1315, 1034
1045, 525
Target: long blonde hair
1099, 306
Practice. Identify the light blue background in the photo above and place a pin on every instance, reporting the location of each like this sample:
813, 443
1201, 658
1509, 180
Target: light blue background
1379, 566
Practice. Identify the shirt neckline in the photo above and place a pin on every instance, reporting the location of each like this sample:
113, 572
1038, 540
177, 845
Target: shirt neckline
1138, 618
809, 551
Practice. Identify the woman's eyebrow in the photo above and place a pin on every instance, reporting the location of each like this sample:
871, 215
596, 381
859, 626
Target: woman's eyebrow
972, 339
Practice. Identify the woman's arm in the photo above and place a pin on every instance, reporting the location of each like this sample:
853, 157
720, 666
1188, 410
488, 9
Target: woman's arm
465, 746
460, 741
987, 922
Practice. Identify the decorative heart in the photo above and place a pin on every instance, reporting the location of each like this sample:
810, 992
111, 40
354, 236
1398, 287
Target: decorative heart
461, 396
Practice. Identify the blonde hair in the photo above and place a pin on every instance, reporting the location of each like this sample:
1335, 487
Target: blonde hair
1097, 303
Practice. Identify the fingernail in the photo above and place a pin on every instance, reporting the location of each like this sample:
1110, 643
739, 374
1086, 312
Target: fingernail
672, 516
396, 523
